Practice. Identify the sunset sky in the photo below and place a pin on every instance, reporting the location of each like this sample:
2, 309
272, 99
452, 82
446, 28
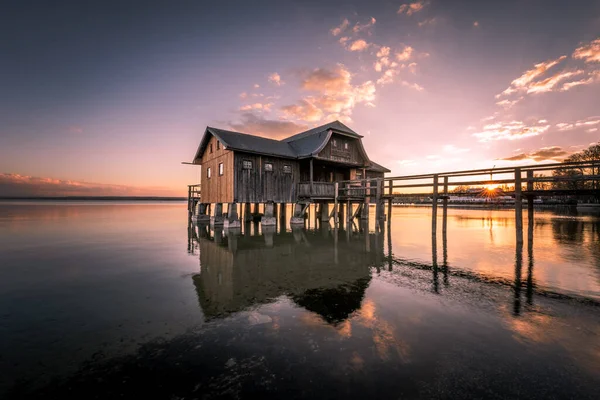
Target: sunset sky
108, 97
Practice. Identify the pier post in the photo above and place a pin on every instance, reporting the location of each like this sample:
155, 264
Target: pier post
325, 212
298, 214
268, 219
434, 200
530, 196
201, 215
518, 207
217, 219
364, 215
232, 221
341, 214
282, 217
530, 227
445, 209
335, 204
247, 212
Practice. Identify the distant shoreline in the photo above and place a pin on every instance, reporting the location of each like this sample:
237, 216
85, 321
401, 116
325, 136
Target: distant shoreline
94, 198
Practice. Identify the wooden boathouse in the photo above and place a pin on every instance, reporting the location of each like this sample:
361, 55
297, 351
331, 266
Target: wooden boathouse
306, 168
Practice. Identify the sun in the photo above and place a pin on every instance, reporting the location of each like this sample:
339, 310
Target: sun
491, 187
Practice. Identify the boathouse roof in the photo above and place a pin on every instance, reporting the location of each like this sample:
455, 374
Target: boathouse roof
302, 145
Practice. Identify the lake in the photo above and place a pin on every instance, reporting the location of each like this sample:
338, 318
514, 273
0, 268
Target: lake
107, 300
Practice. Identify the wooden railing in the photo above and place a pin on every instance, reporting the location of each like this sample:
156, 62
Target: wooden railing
316, 189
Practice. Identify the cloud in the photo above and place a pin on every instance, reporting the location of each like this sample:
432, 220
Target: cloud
552, 153
521, 83
582, 123
358, 45
513, 130
258, 125
589, 52
411, 8
15, 185
358, 27
414, 86
243, 95
429, 21
275, 78
387, 77
334, 91
548, 84
405, 54
593, 77
341, 28
406, 162
256, 86
384, 51
508, 103
257, 106
305, 110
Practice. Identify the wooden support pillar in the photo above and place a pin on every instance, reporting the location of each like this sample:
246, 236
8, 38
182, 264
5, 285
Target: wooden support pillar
268, 219
312, 189
434, 200
518, 207
217, 219
298, 214
529, 194
335, 204
365, 210
282, 217
190, 201
232, 221
445, 209
325, 212
341, 214
247, 212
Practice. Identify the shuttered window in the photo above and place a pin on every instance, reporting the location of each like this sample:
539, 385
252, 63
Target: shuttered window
287, 169
269, 167
247, 164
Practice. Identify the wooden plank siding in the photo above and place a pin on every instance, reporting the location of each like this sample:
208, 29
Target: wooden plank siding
339, 154
256, 185
217, 188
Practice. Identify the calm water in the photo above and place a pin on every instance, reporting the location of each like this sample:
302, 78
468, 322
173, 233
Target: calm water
125, 300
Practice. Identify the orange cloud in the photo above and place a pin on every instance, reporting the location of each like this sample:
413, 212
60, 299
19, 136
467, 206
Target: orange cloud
358, 45
548, 84
257, 125
411, 8
513, 130
257, 106
358, 27
589, 52
305, 110
552, 153
275, 78
405, 54
341, 28
15, 185
521, 83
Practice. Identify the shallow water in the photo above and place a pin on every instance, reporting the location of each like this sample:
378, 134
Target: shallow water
104, 300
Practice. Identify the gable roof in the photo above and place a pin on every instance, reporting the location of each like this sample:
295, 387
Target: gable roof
377, 167
304, 144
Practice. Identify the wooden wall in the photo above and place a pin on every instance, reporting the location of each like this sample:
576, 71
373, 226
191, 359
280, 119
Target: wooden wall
339, 153
217, 189
259, 186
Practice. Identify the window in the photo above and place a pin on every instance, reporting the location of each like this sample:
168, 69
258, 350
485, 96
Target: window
220, 169
269, 166
218, 145
345, 145
247, 164
334, 142
208, 172
211, 148
359, 174
287, 169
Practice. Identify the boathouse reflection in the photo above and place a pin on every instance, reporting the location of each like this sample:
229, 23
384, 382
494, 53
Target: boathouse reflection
325, 271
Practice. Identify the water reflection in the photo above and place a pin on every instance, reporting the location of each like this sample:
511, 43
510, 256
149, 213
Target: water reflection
325, 271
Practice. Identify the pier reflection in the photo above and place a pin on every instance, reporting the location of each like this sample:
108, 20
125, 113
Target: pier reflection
325, 270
